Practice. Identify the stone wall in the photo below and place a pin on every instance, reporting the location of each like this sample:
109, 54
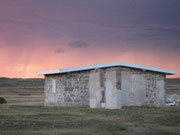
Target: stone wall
173, 98
111, 87
72, 89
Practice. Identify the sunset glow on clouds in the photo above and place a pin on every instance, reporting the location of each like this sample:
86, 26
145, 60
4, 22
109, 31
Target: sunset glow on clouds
41, 35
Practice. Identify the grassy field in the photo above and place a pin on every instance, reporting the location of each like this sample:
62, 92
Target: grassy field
14, 84
39, 120
24, 114
22, 91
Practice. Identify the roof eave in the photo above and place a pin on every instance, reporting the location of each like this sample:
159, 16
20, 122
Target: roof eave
122, 64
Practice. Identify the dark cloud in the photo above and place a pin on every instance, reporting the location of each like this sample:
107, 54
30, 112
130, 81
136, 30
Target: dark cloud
78, 44
105, 22
59, 50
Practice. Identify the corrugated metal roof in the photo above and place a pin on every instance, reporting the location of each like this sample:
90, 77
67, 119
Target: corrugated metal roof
114, 64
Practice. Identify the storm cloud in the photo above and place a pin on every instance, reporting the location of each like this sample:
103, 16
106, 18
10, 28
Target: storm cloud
102, 22
78, 44
88, 30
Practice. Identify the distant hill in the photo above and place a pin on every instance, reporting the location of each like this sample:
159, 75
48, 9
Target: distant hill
20, 83
172, 84
173, 80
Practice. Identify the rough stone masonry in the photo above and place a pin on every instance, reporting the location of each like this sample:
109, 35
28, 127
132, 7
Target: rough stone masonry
110, 87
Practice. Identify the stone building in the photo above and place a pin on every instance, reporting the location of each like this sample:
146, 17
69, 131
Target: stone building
110, 85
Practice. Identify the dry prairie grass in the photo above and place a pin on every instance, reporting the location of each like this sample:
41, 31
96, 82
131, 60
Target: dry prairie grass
24, 114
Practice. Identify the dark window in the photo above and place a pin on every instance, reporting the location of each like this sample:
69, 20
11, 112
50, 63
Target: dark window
102, 79
103, 96
118, 80
102, 85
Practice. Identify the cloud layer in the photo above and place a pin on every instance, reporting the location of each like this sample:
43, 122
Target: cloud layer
78, 44
87, 32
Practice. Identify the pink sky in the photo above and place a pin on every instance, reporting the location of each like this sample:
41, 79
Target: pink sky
24, 63
45, 35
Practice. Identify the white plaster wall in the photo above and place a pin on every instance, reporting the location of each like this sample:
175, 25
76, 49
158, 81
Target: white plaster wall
125, 87
94, 86
133, 89
138, 89
142, 88
113, 96
160, 92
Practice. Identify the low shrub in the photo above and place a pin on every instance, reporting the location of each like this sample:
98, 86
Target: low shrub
2, 100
